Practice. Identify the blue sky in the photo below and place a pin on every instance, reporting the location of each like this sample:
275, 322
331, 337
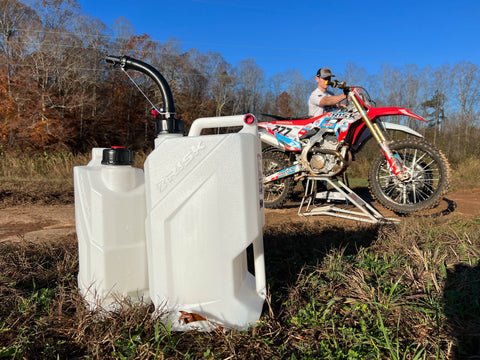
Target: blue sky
305, 35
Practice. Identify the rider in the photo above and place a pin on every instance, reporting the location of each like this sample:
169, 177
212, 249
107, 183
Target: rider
321, 99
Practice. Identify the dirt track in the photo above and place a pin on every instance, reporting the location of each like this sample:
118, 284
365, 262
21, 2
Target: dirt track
456, 204
42, 222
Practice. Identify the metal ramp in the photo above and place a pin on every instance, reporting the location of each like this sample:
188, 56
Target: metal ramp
342, 193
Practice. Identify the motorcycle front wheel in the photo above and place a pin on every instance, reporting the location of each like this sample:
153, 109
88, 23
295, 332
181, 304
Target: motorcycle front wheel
427, 181
276, 192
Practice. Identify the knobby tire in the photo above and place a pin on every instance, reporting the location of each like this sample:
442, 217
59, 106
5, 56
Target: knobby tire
429, 177
277, 192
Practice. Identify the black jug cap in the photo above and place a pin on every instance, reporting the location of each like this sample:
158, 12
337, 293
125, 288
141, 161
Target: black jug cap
117, 155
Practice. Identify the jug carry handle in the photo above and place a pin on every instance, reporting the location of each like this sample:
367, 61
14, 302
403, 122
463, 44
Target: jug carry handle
248, 121
259, 263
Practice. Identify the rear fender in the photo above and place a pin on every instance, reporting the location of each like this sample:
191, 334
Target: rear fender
270, 139
279, 141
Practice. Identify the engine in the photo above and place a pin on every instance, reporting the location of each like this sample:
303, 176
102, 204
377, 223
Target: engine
325, 158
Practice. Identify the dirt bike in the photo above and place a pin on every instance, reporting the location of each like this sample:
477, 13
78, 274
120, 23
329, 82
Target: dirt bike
407, 176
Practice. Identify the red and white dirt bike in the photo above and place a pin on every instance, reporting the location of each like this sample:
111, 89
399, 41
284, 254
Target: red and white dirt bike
406, 176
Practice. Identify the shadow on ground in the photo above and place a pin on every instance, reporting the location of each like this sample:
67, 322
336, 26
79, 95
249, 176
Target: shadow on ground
291, 248
461, 300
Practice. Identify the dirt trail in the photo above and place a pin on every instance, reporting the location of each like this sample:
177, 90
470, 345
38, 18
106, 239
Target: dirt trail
456, 204
36, 221
43, 222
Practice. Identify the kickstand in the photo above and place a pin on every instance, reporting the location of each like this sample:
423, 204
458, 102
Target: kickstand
365, 212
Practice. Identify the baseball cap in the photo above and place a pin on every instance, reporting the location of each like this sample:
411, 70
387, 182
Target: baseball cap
324, 73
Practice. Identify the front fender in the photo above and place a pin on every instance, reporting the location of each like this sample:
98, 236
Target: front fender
402, 128
385, 126
375, 112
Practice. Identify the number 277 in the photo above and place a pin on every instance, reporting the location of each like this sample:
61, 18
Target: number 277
283, 130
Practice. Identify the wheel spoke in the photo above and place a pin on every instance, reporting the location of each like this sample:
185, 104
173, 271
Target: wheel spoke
275, 192
426, 179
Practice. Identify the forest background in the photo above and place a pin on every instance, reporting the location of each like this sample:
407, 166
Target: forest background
58, 94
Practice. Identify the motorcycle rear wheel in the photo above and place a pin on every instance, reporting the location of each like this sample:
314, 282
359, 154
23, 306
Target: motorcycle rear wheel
428, 180
277, 192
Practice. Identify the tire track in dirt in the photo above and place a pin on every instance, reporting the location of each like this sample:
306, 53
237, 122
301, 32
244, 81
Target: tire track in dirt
42, 222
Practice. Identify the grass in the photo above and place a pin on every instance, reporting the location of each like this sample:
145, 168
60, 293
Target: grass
15, 165
25, 175
392, 292
467, 174
58, 167
407, 291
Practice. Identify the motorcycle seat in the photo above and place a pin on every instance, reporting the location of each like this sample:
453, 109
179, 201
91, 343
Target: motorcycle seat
282, 118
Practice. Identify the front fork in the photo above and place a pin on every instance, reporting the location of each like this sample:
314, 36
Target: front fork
394, 163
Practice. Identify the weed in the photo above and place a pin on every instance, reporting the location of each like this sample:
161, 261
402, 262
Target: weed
408, 291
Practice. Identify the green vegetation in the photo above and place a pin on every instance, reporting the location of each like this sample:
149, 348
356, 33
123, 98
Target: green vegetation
392, 292
407, 291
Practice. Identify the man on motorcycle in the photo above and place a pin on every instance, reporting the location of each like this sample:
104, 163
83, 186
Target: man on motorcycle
321, 99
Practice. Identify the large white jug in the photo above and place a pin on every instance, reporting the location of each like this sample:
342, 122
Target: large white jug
110, 216
204, 199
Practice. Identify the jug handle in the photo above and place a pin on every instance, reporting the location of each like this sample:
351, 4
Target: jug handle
259, 263
248, 121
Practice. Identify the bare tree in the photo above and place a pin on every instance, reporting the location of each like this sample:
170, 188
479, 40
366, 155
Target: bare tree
467, 81
436, 106
290, 83
299, 90
221, 81
13, 14
88, 67
57, 14
123, 31
354, 75
250, 80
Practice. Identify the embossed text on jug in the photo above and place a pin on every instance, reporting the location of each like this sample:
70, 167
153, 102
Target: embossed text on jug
181, 165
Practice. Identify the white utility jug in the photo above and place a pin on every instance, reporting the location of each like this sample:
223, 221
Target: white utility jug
110, 218
204, 199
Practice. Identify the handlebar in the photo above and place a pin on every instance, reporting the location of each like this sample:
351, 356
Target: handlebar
349, 90
126, 62
337, 84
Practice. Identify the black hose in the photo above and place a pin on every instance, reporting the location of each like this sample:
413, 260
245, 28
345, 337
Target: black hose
127, 63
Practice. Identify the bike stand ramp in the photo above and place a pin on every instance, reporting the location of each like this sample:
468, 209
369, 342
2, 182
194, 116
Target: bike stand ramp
365, 212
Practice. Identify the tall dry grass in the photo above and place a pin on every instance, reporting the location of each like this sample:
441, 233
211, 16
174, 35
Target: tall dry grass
59, 167
45, 166
18, 165
466, 175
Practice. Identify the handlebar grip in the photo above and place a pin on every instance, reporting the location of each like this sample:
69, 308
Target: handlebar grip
337, 84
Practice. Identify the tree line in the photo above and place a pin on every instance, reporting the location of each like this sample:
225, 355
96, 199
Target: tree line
57, 92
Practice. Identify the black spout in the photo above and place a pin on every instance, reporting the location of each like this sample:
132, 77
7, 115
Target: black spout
127, 63
168, 124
